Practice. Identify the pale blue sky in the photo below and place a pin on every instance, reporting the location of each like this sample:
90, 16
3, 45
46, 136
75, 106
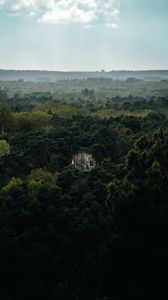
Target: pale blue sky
85, 35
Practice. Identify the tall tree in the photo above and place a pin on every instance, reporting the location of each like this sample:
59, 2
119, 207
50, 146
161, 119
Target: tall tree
6, 119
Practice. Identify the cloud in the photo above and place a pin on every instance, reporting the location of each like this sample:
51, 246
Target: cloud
2, 2
87, 12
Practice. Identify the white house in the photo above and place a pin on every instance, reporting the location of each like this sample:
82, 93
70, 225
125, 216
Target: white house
83, 161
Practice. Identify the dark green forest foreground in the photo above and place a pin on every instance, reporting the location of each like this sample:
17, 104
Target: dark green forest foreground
72, 235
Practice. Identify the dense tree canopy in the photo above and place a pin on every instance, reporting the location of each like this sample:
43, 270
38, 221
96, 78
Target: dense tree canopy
70, 235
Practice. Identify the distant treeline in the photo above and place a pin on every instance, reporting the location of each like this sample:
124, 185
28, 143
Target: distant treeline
38, 76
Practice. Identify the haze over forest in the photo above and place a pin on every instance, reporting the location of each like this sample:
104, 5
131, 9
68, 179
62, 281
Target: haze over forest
38, 76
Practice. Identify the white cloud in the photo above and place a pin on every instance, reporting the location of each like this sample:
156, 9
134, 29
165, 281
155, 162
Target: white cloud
87, 12
2, 2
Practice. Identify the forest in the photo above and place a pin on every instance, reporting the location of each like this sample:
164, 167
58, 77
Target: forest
66, 234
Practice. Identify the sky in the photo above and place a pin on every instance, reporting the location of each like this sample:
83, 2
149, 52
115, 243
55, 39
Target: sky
83, 35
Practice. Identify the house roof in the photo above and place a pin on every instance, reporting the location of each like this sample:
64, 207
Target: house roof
83, 161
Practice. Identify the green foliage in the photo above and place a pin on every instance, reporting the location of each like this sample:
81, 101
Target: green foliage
14, 182
6, 120
40, 178
4, 148
36, 119
106, 113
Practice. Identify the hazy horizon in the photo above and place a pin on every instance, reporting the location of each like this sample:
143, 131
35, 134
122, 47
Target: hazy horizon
84, 71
